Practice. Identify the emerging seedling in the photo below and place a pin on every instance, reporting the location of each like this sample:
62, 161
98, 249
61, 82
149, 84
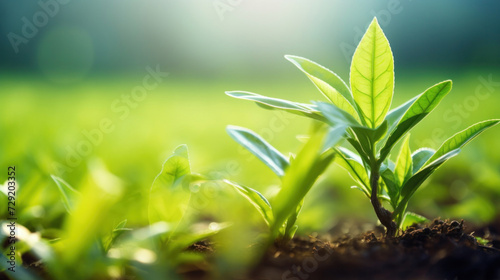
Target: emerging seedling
371, 129
297, 177
170, 201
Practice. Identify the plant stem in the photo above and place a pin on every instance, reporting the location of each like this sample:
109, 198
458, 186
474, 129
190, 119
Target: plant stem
384, 215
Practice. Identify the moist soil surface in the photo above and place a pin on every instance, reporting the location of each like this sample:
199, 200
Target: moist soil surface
439, 250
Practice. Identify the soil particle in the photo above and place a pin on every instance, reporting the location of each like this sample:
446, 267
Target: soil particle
440, 250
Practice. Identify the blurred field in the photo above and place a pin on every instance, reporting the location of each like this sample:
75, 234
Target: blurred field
44, 123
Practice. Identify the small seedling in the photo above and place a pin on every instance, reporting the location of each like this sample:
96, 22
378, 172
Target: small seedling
297, 177
170, 202
372, 129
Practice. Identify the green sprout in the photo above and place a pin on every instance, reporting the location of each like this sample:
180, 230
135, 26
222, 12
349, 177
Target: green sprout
372, 130
170, 201
297, 176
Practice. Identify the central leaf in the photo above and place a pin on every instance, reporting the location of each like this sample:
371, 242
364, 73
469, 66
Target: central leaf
372, 75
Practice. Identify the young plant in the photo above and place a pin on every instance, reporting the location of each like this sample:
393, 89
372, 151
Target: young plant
297, 177
170, 202
372, 129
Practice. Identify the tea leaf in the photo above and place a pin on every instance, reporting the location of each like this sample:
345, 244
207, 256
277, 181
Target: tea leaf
419, 157
256, 199
337, 116
352, 164
463, 137
372, 75
270, 103
329, 83
418, 178
367, 137
404, 168
425, 103
396, 114
260, 148
393, 188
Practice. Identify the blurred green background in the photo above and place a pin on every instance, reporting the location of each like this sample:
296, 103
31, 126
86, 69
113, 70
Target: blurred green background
74, 87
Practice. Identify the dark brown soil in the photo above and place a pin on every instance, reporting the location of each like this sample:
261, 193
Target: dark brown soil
441, 250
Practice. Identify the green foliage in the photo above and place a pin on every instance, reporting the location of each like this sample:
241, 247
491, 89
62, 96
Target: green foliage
260, 148
373, 131
68, 193
297, 177
170, 200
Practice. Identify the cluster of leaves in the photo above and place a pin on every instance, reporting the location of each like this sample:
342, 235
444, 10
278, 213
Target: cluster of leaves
361, 110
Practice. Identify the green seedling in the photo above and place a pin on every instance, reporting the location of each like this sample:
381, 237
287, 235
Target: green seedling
362, 108
297, 177
169, 201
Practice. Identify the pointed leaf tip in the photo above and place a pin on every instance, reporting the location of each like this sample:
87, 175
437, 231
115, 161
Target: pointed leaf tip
327, 82
259, 148
372, 75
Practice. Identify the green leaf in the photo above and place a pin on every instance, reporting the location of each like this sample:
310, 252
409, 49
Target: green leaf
291, 227
299, 178
260, 148
357, 146
396, 114
270, 103
463, 137
337, 116
328, 83
333, 136
367, 137
425, 103
352, 164
418, 178
404, 166
419, 157
173, 169
168, 200
117, 231
412, 218
372, 75
256, 199
393, 188
68, 193
364, 136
